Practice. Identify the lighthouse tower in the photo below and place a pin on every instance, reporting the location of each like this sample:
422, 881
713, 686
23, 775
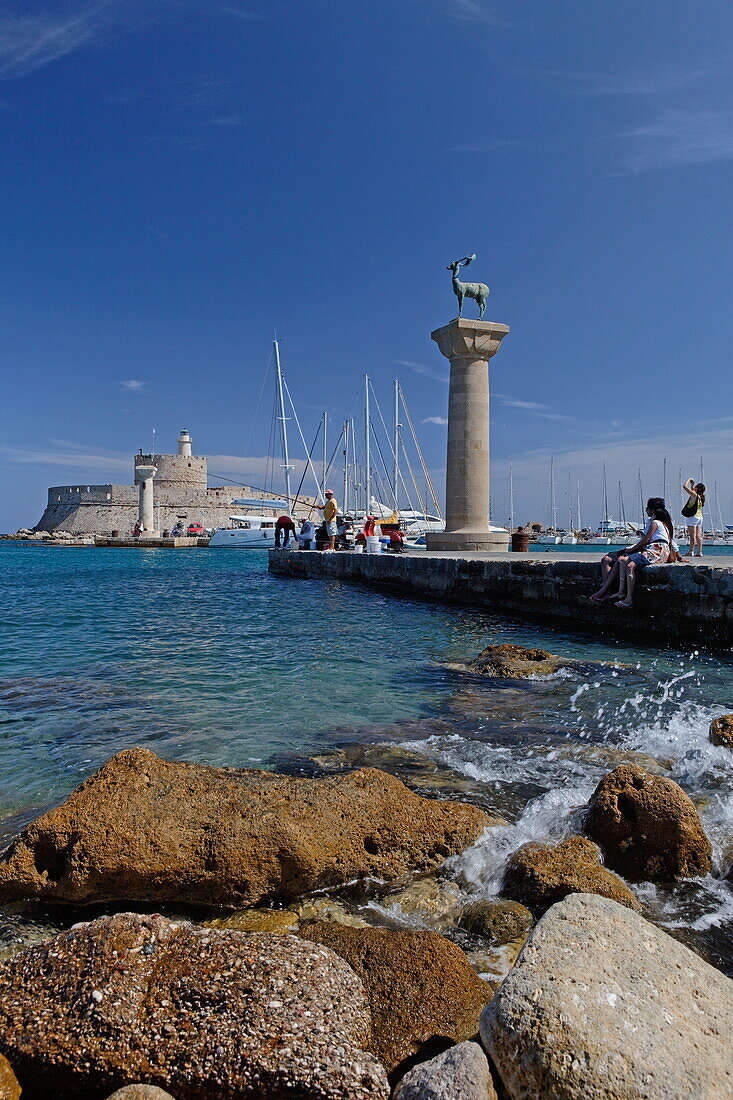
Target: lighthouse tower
184, 443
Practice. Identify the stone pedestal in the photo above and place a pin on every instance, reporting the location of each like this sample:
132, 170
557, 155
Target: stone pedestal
469, 345
146, 509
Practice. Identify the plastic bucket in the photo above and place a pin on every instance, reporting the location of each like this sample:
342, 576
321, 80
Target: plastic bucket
373, 545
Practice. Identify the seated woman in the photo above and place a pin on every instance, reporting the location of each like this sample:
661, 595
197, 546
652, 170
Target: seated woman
654, 543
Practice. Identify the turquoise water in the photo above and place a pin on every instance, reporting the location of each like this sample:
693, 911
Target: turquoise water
202, 655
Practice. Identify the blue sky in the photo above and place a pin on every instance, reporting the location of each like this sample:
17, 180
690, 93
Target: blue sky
181, 177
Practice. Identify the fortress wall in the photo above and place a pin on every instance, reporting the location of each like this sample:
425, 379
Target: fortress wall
183, 471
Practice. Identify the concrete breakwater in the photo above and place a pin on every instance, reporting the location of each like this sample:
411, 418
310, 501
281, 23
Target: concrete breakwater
679, 603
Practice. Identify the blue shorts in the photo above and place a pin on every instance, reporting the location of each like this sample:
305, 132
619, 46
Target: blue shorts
331, 530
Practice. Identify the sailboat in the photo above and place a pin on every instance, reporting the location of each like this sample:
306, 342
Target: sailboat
254, 527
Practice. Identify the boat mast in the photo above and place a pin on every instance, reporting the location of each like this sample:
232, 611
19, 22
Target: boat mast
346, 466
621, 509
511, 496
283, 425
396, 427
720, 514
570, 501
367, 447
553, 502
580, 528
605, 500
641, 496
664, 483
325, 458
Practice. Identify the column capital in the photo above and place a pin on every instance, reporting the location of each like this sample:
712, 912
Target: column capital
464, 339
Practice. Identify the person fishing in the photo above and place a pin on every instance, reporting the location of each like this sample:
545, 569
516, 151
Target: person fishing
284, 528
330, 511
692, 513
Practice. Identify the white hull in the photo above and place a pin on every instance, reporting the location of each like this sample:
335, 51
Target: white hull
235, 539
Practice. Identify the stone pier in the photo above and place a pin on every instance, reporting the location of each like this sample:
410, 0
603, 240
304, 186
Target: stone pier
674, 604
468, 345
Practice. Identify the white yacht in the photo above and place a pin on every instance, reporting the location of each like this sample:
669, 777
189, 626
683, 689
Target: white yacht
251, 531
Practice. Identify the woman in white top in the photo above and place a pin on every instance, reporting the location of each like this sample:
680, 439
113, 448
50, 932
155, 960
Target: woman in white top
696, 495
653, 548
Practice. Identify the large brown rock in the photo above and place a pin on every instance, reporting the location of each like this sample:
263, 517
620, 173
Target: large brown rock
721, 731
203, 1013
514, 662
423, 994
9, 1087
601, 1005
499, 920
145, 829
539, 875
647, 827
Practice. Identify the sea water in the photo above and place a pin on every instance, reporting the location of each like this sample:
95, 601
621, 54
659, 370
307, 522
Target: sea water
202, 655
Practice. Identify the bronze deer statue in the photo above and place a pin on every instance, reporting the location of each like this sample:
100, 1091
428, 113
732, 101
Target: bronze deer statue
478, 291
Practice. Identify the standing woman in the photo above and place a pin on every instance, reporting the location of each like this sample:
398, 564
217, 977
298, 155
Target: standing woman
692, 512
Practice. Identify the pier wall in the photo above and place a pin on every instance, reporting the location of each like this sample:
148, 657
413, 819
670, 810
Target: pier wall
674, 603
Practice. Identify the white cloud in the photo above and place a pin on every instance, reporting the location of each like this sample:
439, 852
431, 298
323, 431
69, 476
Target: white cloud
84, 459
533, 407
472, 11
435, 420
677, 137
29, 42
132, 385
435, 373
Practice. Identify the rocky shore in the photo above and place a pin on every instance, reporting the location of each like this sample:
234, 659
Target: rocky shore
269, 985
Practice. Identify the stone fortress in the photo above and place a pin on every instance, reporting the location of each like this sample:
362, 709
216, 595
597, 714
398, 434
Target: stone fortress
181, 494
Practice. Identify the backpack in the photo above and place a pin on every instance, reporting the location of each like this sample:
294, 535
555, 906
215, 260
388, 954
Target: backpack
690, 509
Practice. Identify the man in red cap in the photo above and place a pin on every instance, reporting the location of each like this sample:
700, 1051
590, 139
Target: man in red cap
330, 511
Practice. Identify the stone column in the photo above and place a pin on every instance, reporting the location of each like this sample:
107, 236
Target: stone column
469, 345
146, 511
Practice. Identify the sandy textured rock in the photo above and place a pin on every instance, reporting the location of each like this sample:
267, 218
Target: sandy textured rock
140, 1092
540, 875
257, 920
421, 989
647, 827
721, 731
145, 829
9, 1087
460, 1073
205, 1013
499, 920
514, 662
602, 1005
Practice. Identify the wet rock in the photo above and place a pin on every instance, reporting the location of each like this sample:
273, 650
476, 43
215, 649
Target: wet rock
603, 1005
9, 1087
328, 909
721, 731
499, 920
428, 898
492, 964
140, 1092
460, 1073
146, 829
647, 827
514, 662
204, 1013
540, 875
257, 920
422, 992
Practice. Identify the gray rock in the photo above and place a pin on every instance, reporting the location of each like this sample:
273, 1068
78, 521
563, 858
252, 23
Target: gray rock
459, 1073
140, 1092
499, 920
204, 1012
601, 1005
